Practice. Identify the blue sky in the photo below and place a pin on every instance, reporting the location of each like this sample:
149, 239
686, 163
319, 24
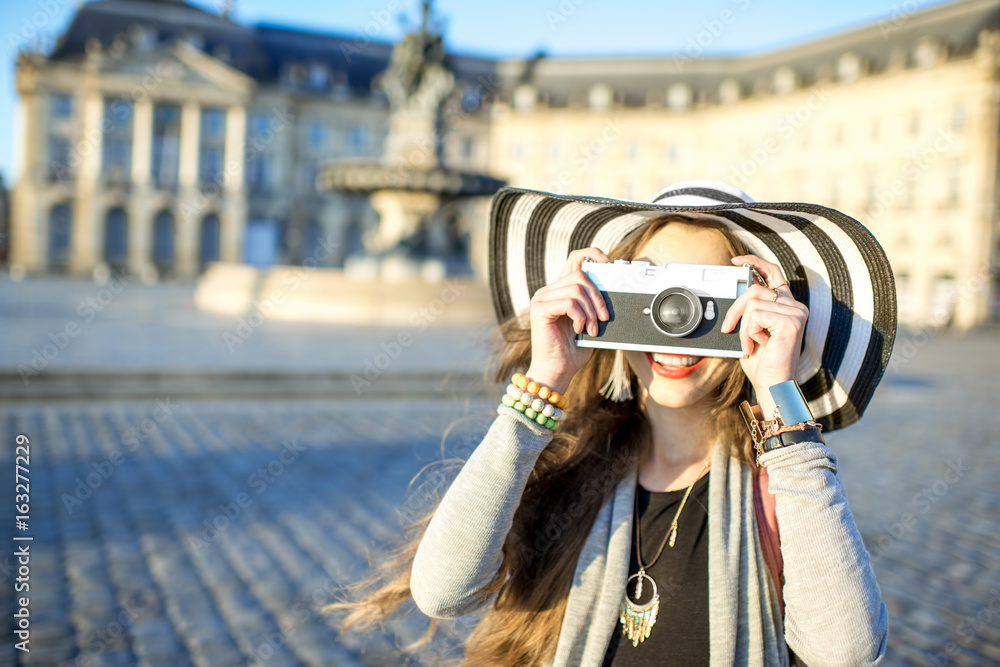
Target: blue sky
510, 28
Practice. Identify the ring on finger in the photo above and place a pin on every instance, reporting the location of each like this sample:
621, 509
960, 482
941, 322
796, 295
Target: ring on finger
775, 298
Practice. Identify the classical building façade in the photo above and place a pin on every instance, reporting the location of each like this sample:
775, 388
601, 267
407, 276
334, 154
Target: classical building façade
159, 137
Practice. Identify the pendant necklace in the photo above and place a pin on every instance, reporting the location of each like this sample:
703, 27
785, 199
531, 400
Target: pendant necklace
638, 619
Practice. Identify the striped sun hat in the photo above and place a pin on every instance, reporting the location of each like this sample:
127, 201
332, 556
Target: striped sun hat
832, 262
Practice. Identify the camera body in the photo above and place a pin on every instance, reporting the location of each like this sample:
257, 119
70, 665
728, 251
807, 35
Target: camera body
669, 308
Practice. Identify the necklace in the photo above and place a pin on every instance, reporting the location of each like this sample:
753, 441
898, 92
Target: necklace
638, 619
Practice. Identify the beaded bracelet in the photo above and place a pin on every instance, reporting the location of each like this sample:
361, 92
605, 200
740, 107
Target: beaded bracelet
537, 402
523, 382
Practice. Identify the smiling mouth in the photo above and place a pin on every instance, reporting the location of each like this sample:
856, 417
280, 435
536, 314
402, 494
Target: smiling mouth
674, 366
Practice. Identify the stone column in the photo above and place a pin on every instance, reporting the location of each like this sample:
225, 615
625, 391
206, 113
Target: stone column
88, 233
140, 237
142, 142
233, 220
27, 223
193, 207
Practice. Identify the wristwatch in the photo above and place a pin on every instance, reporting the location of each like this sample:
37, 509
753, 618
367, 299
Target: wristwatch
792, 422
794, 410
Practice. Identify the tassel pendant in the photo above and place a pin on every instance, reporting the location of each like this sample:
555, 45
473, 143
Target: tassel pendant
618, 388
638, 620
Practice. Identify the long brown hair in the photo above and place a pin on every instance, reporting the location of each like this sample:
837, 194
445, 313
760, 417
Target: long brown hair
573, 477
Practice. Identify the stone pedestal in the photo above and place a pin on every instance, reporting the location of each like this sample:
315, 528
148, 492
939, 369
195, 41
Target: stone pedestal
400, 214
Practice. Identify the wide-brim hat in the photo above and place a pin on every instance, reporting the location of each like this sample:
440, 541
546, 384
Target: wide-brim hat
832, 263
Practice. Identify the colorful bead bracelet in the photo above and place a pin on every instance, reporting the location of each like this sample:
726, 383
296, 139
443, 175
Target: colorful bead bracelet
536, 401
524, 383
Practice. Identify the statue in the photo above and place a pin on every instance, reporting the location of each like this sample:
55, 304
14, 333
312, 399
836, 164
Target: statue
417, 79
414, 192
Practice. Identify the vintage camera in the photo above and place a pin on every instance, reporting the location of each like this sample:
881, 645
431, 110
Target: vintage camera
673, 308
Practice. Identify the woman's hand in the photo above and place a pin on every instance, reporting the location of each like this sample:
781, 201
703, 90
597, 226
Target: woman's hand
770, 332
569, 306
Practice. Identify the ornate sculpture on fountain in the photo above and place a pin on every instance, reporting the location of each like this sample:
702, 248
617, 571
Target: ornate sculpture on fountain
413, 191
416, 83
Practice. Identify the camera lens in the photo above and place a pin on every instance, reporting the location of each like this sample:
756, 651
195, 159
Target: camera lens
676, 311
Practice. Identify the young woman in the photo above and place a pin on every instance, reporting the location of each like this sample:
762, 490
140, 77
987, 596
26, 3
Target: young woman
619, 526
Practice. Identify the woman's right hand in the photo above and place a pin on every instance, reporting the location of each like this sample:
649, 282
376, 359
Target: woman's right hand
558, 312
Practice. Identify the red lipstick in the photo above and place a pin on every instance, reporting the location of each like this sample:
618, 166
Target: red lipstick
674, 373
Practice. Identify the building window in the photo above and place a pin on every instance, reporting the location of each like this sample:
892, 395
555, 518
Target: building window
60, 237
211, 168
319, 76
166, 145
210, 236
163, 242
310, 244
468, 147
958, 120
357, 140
59, 154
953, 196
60, 106
213, 124
212, 147
316, 134
471, 98
310, 171
909, 199
633, 151
258, 168
117, 149
259, 173
258, 125
294, 73
942, 300
870, 187
116, 238
904, 297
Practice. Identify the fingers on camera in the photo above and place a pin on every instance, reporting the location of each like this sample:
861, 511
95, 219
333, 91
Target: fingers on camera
576, 258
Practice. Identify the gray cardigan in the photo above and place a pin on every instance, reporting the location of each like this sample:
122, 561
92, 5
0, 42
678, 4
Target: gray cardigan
834, 614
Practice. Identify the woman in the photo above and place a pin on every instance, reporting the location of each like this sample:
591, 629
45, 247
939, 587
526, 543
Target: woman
629, 534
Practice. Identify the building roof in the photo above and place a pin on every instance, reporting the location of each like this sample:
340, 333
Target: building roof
262, 51
892, 41
265, 51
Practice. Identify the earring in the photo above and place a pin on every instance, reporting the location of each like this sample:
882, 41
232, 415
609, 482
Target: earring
618, 388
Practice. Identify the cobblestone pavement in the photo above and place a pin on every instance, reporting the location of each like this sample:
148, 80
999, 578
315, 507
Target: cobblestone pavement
164, 562
214, 539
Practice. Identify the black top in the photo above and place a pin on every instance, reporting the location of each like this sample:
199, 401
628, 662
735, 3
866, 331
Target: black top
680, 635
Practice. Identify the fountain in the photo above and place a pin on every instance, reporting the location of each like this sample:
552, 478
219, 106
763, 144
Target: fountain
411, 188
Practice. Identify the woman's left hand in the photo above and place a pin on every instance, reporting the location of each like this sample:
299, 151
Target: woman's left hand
770, 331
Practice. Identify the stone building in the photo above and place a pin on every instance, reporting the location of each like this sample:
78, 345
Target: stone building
895, 123
157, 137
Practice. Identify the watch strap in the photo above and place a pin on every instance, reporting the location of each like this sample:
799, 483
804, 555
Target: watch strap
792, 437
